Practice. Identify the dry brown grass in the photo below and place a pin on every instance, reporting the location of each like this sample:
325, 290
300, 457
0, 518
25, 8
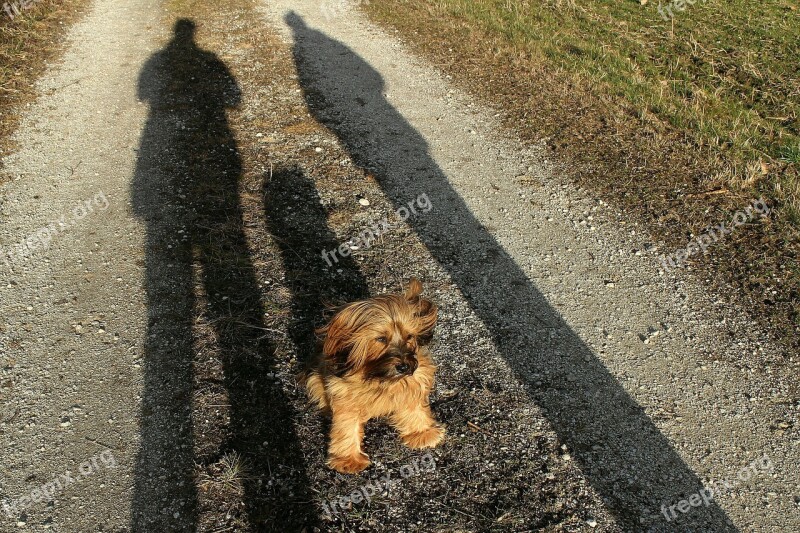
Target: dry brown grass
27, 43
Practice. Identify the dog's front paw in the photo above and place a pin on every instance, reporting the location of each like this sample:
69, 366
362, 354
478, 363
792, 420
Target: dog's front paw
428, 438
350, 464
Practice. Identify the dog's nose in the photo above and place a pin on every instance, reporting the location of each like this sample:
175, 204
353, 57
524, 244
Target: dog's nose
403, 368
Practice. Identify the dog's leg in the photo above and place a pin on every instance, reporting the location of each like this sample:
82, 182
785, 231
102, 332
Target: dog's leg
417, 427
344, 451
315, 387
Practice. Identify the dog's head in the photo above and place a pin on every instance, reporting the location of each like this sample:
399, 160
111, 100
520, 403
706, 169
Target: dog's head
379, 338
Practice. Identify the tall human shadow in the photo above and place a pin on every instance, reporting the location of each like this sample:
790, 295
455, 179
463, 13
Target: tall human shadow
186, 190
626, 459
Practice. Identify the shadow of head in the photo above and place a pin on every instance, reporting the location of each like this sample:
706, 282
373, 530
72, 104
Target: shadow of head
183, 32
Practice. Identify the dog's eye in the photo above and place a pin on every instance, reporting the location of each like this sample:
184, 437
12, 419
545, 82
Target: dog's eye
382, 340
409, 337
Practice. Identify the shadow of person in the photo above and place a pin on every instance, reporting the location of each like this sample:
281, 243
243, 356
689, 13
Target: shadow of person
204, 304
623, 455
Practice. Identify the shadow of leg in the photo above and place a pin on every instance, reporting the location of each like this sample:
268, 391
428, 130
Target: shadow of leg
164, 493
262, 431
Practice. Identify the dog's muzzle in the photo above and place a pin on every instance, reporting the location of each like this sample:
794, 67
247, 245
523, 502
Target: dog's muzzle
407, 365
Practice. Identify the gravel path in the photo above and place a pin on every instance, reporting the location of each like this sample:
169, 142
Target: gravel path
651, 387
73, 314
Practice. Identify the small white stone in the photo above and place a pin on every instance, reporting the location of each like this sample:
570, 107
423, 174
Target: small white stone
363, 201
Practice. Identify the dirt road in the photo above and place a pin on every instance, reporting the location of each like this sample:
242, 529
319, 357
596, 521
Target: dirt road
173, 207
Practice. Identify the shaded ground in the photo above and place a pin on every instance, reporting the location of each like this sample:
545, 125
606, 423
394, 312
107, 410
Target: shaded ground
199, 273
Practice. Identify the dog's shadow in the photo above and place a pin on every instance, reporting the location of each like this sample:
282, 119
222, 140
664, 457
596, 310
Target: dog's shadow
297, 221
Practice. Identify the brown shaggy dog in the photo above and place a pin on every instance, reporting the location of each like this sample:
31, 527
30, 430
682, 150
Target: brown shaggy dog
373, 363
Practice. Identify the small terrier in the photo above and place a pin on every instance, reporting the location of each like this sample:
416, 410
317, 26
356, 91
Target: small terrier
373, 363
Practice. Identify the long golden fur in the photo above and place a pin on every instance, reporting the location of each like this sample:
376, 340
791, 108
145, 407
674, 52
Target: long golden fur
373, 363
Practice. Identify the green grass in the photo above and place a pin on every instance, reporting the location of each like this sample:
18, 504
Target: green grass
791, 154
676, 122
728, 73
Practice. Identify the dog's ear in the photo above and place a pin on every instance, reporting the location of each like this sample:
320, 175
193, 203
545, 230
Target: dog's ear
414, 290
426, 314
425, 311
334, 349
342, 349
